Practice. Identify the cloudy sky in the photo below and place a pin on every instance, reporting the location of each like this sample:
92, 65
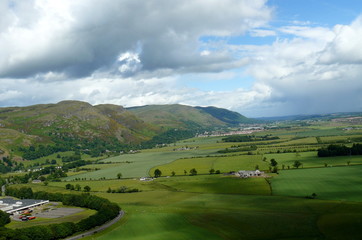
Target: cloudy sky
256, 57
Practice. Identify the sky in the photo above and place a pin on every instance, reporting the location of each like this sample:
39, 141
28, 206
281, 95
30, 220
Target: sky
256, 57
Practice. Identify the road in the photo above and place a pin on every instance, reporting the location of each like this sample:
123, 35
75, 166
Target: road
99, 228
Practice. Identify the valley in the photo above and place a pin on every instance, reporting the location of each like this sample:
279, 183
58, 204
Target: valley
197, 196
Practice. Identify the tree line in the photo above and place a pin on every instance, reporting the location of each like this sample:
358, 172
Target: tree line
340, 150
106, 211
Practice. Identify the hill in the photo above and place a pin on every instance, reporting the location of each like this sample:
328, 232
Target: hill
181, 116
226, 116
71, 125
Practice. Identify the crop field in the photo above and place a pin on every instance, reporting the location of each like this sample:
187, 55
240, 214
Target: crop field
336, 183
203, 165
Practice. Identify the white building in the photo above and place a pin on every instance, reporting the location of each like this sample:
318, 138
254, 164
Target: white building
247, 174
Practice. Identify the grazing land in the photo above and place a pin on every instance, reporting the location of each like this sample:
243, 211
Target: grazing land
335, 183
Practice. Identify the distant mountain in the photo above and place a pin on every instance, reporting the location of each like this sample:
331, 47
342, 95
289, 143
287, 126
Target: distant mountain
226, 116
75, 124
181, 116
327, 116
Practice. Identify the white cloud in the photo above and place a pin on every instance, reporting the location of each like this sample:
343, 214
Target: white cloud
262, 33
84, 36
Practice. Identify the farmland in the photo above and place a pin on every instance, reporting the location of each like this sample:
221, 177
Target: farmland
218, 206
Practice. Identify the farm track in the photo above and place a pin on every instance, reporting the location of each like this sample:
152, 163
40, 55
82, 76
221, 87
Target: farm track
99, 228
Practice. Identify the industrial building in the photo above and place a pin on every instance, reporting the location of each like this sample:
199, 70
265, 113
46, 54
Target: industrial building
12, 206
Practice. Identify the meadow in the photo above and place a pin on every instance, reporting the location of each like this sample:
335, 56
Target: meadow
335, 183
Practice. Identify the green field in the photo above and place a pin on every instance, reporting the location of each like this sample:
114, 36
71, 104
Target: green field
203, 165
336, 183
139, 164
218, 206
310, 159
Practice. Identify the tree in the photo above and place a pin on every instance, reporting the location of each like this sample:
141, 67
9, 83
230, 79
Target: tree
193, 172
157, 173
212, 171
87, 188
273, 163
297, 164
68, 186
173, 173
78, 187
119, 175
314, 195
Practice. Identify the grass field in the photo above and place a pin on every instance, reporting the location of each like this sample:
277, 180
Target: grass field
336, 183
139, 164
310, 159
222, 207
232, 216
203, 165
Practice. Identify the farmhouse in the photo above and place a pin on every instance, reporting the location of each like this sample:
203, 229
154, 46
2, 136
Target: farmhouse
247, 174
12, 206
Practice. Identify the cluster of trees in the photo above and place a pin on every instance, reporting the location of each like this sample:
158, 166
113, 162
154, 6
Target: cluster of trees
273, 166
77, 187
212, 171
4, 218
167, 137
123, 189
340, 150
249, 138
106, 211
238, 149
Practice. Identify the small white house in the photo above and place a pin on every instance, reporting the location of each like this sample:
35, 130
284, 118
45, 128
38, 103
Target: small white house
247, 174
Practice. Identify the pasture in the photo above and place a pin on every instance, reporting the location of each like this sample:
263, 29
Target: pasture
335, 183
310, 159
139, 164
203, 165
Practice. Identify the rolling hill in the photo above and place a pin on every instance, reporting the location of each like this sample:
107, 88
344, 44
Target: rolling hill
80, 125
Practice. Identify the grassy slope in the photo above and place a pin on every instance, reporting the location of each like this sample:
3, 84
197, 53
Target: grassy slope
175, 116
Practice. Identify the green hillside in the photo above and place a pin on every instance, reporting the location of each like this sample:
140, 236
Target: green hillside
72, 125
181, 116
226, 116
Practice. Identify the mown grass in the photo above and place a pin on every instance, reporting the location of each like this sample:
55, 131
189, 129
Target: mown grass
336, 183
